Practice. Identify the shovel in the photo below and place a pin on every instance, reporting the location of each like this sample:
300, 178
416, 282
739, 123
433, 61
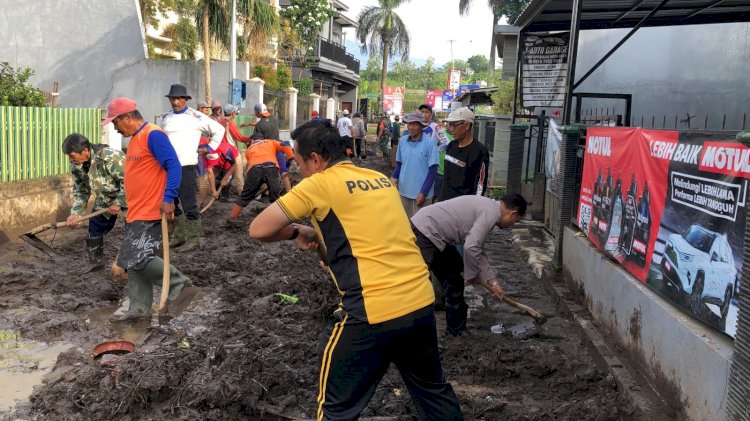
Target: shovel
538, 317
211, 202
165, 274
31, 238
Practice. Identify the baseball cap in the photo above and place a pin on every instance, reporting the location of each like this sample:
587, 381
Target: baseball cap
118, 107
215, 104
345, 112
203, 104
415, 117
261, 109
460, 114
314, 114
427, 106
229, 109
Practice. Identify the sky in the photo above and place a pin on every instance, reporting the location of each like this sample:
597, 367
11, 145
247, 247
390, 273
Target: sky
432, 23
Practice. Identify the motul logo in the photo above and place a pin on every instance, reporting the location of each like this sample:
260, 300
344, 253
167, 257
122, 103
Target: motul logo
599, 145
732, 159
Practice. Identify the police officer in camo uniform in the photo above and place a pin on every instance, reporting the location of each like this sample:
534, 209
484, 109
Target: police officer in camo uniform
99, 170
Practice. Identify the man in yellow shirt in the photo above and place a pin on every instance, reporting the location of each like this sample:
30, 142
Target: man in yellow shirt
385, 315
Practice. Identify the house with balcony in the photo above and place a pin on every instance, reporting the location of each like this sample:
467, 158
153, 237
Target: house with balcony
334, 71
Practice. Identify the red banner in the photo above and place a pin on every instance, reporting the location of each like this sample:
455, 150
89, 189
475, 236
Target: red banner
670, 208
393, 99
623, 192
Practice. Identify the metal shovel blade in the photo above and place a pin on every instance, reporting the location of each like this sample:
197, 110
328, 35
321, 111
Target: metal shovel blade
38, 244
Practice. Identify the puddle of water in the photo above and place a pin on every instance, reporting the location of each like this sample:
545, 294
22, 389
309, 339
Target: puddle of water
23, 365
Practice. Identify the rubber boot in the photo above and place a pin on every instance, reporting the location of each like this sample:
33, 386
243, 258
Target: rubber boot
180, 232
193, 236
95, 249
140, 289
140, 295
233, 219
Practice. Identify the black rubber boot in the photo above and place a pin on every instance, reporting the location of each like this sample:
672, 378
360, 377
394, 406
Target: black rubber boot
95, 249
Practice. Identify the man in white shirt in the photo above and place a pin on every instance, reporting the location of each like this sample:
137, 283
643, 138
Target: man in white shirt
345, 131
184, 126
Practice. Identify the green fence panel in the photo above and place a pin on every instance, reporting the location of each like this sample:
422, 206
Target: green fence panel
31, 139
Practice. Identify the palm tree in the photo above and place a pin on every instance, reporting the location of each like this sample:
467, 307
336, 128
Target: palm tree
214, 19
510, 8
381, 31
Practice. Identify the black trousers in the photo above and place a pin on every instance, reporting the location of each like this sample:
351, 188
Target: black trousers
254, 179
356, 355
187, 202
448, 267
101, 224
348, 143
360, 147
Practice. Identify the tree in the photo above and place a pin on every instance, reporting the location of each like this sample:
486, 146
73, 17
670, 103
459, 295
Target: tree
512, 9
301, 22
14, 91
213, 20
381, 31
479, 63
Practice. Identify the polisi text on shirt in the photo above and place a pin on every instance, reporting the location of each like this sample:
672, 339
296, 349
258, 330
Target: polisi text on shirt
367, 185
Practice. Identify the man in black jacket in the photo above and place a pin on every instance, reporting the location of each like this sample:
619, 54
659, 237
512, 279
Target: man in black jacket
466, 160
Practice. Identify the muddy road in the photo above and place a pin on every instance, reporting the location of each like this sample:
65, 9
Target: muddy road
238, 351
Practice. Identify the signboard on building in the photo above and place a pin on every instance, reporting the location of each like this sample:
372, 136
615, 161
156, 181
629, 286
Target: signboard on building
432, 97
464, 88
544, 67
393, 99
454, 79
670, 208
447, 98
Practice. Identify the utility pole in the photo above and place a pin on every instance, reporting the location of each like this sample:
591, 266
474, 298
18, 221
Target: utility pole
233, 51
452, 41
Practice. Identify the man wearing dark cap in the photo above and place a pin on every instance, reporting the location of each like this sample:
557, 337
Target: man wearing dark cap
416, 165
359, 133
152, 177
184, 126
217, 111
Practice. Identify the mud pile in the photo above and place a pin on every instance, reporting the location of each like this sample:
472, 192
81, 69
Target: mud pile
241, 352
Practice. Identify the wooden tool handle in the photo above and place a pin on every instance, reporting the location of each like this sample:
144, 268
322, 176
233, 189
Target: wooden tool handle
165, 274
53, 225
211, 202
530, 311
322, 251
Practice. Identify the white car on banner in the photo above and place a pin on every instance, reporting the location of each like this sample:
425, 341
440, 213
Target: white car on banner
700, 264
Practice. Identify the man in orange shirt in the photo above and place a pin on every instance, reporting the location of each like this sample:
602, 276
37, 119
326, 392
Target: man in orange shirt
263, 168
152, 177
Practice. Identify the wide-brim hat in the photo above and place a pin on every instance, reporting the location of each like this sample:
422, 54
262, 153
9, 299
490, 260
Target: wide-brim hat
415, 117
178, 91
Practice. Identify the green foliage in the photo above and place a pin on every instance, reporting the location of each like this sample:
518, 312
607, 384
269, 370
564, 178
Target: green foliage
304, 85
511, 9
150, 9
479, 63
514, 8
503, 97
184, 38
306, 18
381, 31
276, 79
13, 88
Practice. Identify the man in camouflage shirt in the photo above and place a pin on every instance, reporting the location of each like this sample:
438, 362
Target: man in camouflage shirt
100, 170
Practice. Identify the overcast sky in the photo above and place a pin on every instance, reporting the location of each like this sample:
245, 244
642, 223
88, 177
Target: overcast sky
432, 23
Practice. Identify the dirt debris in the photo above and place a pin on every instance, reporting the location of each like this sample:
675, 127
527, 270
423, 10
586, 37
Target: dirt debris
241, 352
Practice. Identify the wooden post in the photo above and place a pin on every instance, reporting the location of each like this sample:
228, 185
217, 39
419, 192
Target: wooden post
55, 93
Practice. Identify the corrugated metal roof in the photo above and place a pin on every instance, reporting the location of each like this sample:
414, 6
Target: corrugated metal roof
555, 15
